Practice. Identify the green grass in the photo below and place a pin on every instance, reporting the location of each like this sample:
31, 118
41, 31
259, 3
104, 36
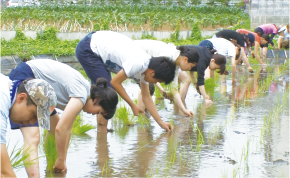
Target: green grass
18, 157
79, 127
124, 116
50, 151
210, 85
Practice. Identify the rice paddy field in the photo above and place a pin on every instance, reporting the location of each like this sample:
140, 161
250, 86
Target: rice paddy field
244, 133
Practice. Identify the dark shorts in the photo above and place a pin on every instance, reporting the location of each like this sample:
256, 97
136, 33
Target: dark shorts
94, 65
206, 43
91, 62
23, 72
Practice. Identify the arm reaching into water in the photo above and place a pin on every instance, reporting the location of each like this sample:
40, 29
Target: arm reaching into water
177, 100
117, 84
63, 132
204, 95
149, 104
6, 168
256, 51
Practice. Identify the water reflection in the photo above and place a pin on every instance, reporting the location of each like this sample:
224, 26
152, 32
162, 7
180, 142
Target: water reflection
202, 146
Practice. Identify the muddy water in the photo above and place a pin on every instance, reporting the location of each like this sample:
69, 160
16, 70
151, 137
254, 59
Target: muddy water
230, 138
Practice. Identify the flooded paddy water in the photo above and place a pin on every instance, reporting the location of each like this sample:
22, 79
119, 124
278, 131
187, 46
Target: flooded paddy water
244, 133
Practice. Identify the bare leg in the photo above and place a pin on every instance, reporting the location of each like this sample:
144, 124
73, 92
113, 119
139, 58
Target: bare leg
31, 137
102, 123
185, 78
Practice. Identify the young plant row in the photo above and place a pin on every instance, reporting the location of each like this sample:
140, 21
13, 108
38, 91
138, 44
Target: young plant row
121, 18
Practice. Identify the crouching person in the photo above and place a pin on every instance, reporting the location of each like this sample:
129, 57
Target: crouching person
103, 52
74, 94
24, 102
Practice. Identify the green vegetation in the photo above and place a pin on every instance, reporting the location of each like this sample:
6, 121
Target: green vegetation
50, 151
18, 157
123, 116
79, 127
47, 43
118, 17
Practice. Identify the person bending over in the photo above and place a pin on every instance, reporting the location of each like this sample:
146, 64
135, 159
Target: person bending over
270, 30
23, 102
74, 94
225, 48
184, 59
104, 51
208, 61
259, 41
284, 37
232, 35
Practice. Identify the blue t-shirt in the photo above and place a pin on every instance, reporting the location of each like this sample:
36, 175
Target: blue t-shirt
5, 105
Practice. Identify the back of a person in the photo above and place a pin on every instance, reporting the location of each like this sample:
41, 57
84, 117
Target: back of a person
158, 48
5, 102
243, 31
231, 34
269, 28
285, 31
223, 46
64, 79
116, 47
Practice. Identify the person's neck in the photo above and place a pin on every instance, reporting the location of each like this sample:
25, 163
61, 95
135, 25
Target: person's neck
178, 60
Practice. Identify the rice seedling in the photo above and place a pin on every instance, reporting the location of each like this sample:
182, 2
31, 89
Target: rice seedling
200, 140
106, 170
210, 85
123, 116
79, 127
213, 135
143, 121
50, 151
18, 157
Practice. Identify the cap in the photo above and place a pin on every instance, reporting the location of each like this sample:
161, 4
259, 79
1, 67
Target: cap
251, 38
43, 95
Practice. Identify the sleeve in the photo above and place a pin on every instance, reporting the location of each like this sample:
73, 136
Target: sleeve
200, 73
4, 119
78, 91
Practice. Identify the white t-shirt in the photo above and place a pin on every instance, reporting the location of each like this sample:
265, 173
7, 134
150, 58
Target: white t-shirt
5, 105
223, 47
119, 52
157, 49
65, 80
286, 34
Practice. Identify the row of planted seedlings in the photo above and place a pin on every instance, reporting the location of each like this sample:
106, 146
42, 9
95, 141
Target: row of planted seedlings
19, 157
118, 17
202, 140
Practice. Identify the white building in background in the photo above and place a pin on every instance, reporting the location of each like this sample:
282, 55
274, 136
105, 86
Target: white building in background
269, 11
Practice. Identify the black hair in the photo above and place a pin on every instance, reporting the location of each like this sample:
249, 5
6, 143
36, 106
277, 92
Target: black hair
21, 89
285, 44
164, 68
213, 51
267, 38
105, 96
221, 61
190, 53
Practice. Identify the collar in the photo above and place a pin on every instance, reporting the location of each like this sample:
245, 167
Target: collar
13, 90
